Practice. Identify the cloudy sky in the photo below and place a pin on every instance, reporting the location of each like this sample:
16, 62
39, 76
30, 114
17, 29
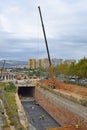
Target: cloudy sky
21, 35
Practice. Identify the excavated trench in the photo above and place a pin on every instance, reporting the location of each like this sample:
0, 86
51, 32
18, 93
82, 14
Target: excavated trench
37, 116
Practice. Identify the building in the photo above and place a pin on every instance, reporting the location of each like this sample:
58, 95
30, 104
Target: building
46, 63
56, 62
31, 63
41, 63
70, 61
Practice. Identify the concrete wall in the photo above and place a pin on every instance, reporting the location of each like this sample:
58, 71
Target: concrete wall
60, 114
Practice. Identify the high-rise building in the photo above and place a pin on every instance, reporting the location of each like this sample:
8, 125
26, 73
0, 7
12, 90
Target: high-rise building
41, 63
31, 63
46, 63
56, 62
69, 61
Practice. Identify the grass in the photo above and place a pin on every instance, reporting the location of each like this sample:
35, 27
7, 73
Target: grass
4, 119
7, 94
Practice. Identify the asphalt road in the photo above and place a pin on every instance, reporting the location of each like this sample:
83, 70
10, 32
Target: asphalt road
38, 117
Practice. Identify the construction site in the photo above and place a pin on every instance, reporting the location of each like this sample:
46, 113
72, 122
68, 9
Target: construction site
65, 104
50, 104
54, 109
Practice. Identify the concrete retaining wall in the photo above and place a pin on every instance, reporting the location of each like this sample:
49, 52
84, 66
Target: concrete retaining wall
59, 113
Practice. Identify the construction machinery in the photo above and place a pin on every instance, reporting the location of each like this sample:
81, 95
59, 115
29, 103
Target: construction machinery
52, 82
2, 68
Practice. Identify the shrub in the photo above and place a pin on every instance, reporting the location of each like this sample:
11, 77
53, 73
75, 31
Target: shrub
10, 87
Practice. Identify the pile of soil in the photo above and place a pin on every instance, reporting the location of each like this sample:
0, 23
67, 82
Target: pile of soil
68, 88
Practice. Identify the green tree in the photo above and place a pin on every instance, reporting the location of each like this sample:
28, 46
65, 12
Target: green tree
72, 70
61, 69
82, 68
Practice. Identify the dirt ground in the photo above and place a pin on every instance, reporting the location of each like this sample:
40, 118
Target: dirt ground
71, 90
68, 88
68, 128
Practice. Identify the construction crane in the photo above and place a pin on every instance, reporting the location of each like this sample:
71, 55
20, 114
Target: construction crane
52, 84
2, 68
80, 124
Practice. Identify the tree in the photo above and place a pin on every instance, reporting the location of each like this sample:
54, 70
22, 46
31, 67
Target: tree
61, 69
72, 71
82, 68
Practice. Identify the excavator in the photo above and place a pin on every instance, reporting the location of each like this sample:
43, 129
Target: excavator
52, 82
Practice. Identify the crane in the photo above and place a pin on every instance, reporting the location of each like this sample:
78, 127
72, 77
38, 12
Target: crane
2, 68
50, 64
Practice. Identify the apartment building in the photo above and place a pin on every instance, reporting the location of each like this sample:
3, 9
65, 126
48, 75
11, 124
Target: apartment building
46, 63
41, 63
31, 63
69, 61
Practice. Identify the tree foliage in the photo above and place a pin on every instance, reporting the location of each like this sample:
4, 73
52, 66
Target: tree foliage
38, 72
74, 69
61, 69
82, 68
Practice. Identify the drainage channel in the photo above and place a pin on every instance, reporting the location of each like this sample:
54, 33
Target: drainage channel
38, 117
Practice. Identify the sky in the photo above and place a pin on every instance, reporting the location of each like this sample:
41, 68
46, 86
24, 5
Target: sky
21, 35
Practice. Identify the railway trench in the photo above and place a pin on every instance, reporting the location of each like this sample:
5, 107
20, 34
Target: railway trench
38, 118
37, 99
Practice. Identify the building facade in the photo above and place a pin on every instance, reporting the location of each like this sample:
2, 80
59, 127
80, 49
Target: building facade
46, 63
31, 63
70, 61
56, 62
41, 63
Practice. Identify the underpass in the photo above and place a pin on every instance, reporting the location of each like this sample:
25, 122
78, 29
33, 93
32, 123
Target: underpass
26, 91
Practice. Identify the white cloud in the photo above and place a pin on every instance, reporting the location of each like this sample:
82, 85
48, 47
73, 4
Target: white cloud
65, 24
4, 24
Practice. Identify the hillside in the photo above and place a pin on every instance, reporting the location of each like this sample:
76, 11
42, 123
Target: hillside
11, 63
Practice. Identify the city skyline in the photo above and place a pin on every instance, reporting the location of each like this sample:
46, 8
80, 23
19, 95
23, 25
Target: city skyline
21, 34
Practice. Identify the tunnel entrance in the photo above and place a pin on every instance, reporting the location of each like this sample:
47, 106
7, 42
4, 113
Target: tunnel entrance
26, 91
